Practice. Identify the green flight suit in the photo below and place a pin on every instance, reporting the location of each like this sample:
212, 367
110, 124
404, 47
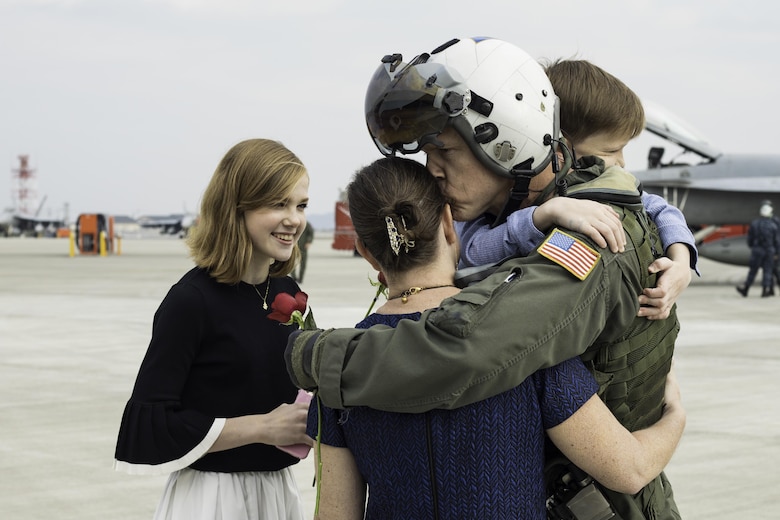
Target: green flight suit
529, 314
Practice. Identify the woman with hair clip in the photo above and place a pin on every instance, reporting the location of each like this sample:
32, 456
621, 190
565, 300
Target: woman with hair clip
483, 460
210, 400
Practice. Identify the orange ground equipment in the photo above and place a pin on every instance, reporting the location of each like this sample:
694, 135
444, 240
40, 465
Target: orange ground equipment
344, 233
94, 233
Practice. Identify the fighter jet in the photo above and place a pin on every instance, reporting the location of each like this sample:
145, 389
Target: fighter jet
24, 216
173, 224
16, 223
719, 194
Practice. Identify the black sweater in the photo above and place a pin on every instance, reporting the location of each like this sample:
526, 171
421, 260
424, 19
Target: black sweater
214, 353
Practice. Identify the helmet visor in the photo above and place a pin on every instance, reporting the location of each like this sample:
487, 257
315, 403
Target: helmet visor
407, 109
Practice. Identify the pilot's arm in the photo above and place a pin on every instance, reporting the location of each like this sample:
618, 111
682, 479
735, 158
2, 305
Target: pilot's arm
530, 314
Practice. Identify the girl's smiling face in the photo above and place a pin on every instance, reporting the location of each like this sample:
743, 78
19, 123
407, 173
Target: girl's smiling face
275, 229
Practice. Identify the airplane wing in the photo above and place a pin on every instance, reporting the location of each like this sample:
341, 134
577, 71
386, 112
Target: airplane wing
757, 184
738, 173
25, 224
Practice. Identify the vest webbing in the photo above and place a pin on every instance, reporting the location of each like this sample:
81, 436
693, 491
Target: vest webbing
631, 372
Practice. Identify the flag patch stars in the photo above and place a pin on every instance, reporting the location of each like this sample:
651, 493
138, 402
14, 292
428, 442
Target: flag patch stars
570, 253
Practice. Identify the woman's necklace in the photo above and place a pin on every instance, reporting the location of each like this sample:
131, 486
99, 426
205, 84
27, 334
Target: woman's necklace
268, 286
411, 291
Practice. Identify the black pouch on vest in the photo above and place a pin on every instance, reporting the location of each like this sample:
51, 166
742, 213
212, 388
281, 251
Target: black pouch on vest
574, 496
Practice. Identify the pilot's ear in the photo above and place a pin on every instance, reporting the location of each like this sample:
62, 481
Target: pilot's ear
448, 225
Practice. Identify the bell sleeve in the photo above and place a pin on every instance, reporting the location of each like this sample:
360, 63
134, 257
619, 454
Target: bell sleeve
157, 433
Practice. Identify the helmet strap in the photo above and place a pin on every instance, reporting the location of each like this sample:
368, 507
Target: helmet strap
517, 195
559, 182
562, 171
522, 179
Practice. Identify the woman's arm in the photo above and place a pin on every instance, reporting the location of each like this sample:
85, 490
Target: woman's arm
342, 489
623, 461
282, 426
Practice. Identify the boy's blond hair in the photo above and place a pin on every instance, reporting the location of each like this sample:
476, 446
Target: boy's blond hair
594, 101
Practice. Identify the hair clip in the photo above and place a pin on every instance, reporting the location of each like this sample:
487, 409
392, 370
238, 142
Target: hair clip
396, 239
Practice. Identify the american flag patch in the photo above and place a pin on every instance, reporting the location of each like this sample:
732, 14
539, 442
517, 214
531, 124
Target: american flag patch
569, 253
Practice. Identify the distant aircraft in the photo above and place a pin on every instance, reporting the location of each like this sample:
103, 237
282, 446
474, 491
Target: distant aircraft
15, 223
24, 217
719, 194
174, 224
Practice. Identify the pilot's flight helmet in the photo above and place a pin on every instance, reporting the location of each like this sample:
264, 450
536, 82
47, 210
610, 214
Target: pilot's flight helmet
766, 210
493, 93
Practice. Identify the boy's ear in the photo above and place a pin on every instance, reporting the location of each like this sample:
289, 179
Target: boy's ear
361, 248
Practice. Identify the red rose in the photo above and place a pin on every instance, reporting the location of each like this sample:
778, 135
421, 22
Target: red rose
284, 305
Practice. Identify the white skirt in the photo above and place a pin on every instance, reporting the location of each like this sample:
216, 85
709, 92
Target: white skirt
256, 495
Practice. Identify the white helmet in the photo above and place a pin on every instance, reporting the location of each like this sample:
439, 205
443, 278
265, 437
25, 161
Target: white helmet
766, 210
491, 92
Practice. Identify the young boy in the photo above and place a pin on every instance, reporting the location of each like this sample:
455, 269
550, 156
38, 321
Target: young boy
599, 115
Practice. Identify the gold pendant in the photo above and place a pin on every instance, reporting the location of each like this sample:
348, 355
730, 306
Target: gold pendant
264, 298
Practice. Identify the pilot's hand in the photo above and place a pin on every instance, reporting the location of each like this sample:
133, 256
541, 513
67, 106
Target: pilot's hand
674, 276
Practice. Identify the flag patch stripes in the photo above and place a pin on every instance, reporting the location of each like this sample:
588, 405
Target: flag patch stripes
570, 253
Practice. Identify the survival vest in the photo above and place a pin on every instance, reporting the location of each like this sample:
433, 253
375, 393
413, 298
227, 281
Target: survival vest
631, 372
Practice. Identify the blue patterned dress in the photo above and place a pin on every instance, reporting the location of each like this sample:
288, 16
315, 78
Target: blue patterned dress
484, 460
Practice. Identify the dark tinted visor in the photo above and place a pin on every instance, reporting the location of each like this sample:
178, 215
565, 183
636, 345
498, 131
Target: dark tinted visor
406, 109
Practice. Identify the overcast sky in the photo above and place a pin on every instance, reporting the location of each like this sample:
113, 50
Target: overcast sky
126, 106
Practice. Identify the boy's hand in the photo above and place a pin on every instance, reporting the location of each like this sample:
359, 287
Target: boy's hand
597, 221
674, 276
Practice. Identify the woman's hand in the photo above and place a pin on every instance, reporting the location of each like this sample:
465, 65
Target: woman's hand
286, 424
282, 426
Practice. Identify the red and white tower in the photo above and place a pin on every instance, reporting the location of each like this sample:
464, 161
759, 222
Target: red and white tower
25, 188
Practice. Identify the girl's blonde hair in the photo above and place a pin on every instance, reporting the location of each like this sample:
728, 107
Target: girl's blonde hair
254, 173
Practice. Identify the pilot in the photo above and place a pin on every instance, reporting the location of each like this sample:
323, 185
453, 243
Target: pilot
764, 242
532, 311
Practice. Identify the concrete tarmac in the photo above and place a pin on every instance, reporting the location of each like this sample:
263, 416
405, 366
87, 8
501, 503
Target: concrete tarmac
73, 331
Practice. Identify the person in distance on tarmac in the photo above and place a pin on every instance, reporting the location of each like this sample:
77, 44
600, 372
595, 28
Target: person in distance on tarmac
764, 241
